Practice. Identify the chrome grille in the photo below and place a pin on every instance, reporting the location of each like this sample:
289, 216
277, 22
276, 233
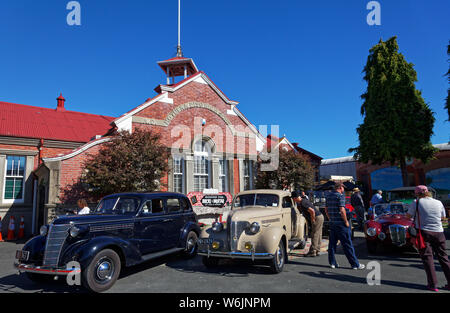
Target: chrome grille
236, 230
56, 237
398, 234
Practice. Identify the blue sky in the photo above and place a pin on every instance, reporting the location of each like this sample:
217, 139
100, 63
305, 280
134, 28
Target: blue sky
294, 63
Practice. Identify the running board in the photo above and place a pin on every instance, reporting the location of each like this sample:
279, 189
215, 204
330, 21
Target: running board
158, 254
293, 244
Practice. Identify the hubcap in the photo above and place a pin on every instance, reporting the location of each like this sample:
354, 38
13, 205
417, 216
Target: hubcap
191, 244
280, 257
104, 270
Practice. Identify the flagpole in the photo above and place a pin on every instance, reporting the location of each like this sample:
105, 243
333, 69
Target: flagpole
179, 53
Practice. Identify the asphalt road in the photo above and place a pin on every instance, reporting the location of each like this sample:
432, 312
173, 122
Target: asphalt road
400, 272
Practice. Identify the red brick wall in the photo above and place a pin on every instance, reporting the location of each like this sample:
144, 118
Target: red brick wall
215, 127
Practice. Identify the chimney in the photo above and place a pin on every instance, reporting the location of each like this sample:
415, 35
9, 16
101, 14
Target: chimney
61, 100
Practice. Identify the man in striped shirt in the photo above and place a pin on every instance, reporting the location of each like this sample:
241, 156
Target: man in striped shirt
340, 228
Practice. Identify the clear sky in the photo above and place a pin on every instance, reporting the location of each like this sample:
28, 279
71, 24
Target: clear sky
294, 63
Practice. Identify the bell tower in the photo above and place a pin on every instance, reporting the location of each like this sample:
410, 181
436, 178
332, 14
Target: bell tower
179, 65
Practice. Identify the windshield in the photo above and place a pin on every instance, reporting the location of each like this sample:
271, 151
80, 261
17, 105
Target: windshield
401, 195
395, 208
267, 200
118, 205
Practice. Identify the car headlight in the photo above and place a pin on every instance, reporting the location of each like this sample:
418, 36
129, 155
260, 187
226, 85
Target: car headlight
74, 231
43, 230
371, 231
217, 227
254, 228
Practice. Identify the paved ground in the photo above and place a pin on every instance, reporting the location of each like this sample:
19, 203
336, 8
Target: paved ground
400, 272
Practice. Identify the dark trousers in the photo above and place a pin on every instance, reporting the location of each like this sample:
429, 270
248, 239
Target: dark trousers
344, 235
359, 210
435, 242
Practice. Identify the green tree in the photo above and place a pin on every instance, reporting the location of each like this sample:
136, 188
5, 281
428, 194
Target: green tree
294, 170
398, 124
447, 106
128, 163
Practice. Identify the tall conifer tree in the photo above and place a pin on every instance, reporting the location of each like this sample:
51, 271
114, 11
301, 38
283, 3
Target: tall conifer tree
398, 124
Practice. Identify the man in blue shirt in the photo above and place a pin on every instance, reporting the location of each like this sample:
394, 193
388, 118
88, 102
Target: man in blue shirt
377, 198
340, 228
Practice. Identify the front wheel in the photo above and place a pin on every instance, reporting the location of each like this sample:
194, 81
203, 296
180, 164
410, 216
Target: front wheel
191, 245
279, 259
102, 272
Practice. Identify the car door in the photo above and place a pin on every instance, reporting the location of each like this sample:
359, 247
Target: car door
174, 220
150, 226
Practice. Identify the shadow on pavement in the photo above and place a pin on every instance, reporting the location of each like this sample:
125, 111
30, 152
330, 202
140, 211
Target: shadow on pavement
361, 280
19, 283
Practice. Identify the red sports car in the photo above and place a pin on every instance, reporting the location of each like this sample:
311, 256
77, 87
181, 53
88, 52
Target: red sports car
388, 225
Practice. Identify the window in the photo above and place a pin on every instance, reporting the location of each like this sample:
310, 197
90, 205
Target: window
202, 151
14, 178
157, 206
118, 205
184, 204
223, 176
287, 202
178, 170
147, 207
173, 205
247, 175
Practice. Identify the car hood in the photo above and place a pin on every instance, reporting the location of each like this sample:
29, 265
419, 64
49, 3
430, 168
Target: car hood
389, 219
253, 212
90, 218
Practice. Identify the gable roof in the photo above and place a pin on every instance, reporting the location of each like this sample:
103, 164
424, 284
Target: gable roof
19, 120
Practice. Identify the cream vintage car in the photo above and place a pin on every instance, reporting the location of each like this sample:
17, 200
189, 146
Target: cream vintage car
262, 225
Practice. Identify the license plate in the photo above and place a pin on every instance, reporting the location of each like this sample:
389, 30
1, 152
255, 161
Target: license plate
22, 255
205, 241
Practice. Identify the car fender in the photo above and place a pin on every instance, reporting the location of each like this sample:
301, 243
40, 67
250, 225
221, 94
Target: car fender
36, 246
188, 227
270, 238
84, 251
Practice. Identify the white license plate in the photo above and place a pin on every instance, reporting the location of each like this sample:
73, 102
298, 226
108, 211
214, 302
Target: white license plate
22, 255
205, 241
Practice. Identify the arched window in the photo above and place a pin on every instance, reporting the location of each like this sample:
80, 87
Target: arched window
202, 165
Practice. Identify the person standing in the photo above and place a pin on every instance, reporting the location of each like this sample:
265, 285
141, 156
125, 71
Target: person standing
84, 209
376, 198
357, 202
315, 219
428, 214
339, 228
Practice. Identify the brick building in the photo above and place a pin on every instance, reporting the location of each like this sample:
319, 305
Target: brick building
212, 144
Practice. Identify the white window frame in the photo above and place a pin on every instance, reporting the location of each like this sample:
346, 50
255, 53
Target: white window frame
224, 175
249, 176
5, 176
206, 156
181, 174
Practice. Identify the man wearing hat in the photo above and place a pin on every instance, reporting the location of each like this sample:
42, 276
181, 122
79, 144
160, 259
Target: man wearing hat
358, 203
315, 219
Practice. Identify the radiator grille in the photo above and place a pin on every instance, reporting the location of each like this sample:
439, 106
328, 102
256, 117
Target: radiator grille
56, 237
398, 234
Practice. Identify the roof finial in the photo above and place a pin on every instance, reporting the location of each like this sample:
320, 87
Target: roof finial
179, 51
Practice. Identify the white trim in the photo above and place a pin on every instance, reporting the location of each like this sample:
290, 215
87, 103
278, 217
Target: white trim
139, 108
22, 198
77, 152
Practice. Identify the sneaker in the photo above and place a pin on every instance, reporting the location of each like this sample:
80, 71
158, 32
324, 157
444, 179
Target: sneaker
432, 289
312, 254
334, 266
361, 267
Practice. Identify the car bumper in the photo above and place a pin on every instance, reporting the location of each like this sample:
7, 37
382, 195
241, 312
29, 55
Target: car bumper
30, 268
237, 255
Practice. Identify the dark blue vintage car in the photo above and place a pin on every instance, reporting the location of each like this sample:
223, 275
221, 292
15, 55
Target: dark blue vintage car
124, 230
